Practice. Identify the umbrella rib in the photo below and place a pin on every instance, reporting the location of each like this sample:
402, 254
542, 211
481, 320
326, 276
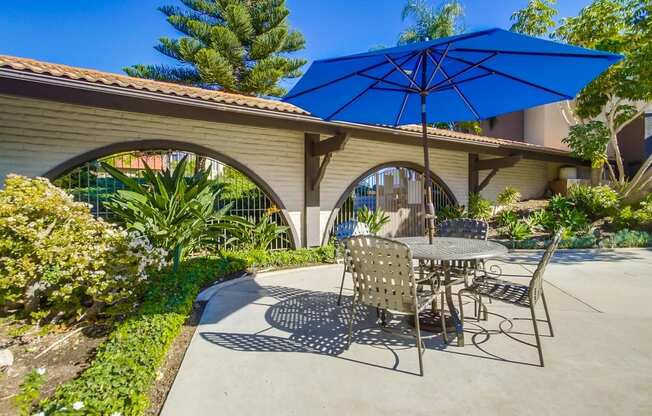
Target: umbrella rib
326, 84
403, 87
448, 87
462, 96
402, 71
463, 71
361, 93
437, 63
407, 94
513, 78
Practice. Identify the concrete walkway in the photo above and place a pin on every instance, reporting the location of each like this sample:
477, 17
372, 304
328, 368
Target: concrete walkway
275, 346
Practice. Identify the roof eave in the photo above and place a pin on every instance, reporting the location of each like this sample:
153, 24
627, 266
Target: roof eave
74, 91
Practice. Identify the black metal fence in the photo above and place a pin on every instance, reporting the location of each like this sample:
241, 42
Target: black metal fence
90, 183
398, 191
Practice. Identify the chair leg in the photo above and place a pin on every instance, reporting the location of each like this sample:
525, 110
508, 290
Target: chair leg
459, 298
536, 334
339, 298
545, 308
353, 302
479, 310
417, 328
442, 318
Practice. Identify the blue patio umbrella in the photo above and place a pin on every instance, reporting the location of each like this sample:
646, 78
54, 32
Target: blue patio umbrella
472, 76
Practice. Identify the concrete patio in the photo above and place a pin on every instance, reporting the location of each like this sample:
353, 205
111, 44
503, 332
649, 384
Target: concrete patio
275, 345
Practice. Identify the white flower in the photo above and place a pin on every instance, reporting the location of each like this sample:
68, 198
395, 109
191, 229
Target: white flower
39, 414
116, 414
40, 371
78, 405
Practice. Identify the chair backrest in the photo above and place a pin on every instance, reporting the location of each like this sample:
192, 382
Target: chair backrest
463, 228
350, 228
382, 273
536, 284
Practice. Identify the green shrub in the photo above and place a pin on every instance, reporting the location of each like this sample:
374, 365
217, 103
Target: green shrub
595, 201
508, 196
561, 212
58, 261
451, 212
628, 238
637, 216
287, 258
124, 368
30, 392
175, 212
243, 233
506, 217
479, 207
374, 219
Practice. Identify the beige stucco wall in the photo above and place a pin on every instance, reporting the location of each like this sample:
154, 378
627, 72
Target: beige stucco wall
38, 135
529, 177
546, 126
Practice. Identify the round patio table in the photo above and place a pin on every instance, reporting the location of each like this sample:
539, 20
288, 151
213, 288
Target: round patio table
448, 250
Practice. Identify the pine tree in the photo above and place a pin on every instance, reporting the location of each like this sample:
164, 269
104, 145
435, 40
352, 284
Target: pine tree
240, 46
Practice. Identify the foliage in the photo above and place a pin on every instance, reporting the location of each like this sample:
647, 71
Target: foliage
125, 366
235, 45
30, 392
517, 230
432, 22
595, 201
286, 258
451, 212
57, 261
479, 207
246, 234
512, 226
621, 94
175, 212
588, 141
635, 216
561, 212
508, 196
628, 238
375, 220
535, 19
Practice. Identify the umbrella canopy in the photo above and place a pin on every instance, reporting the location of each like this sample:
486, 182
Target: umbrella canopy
472, 76
466, 77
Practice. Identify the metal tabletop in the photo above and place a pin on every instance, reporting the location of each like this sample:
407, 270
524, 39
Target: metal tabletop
450, 248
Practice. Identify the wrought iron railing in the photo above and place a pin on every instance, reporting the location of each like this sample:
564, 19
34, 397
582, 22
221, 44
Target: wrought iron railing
91, 184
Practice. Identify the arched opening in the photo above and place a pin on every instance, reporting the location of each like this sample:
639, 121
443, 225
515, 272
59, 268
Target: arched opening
396, 188
250, 197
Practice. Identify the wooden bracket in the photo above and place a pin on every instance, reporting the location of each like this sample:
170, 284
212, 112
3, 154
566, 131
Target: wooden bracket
330, 145
495, 164
326, 148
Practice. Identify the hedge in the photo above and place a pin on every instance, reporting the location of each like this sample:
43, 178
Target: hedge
120, 375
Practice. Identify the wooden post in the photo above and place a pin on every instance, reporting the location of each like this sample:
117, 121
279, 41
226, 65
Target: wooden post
311, 209
473, 173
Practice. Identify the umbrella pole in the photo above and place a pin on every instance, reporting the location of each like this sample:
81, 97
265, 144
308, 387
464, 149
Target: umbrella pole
429, 206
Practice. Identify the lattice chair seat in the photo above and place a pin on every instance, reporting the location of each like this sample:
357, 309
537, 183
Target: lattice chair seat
463, 228
503, 290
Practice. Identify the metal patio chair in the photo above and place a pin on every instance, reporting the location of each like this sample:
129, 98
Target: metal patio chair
525, 296
342, 231
464, 228
383, 278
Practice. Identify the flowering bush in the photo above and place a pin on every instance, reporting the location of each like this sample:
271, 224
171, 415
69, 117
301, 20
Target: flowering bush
57, 261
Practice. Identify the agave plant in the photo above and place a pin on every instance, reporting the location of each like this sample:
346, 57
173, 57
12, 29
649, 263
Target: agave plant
175, 212
374, 219
247, 234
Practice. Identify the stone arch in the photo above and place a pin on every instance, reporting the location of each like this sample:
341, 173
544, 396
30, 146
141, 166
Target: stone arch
145, 145
394, 164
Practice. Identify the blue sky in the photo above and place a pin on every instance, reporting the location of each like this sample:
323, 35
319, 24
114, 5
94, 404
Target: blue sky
110, 34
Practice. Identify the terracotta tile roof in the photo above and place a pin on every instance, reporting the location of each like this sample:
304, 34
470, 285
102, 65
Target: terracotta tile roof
107, 78
124, 81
